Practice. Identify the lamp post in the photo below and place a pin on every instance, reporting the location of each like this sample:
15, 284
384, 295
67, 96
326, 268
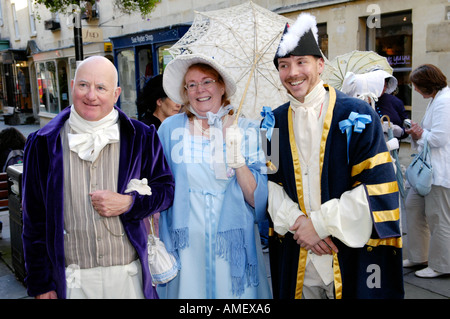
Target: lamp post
77, 36
74, 17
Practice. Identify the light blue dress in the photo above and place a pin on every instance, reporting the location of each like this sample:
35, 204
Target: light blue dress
203, 273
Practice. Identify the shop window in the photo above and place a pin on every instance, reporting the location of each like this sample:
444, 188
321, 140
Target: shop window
22, 92
393, 40
47, 86
145, 66
40, 76
63, 84
164, 57
127, 81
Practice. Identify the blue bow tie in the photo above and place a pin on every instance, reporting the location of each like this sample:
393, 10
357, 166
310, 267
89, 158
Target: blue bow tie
268, 122
356, 120
215, 119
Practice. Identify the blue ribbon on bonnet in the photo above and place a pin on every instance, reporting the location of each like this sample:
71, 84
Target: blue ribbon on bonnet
268, 122
356, 120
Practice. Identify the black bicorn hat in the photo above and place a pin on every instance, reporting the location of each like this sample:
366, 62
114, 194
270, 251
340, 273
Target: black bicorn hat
299, 39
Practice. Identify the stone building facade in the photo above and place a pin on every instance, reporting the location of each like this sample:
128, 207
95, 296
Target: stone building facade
38, 52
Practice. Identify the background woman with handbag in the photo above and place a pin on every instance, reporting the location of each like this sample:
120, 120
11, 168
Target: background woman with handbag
428, 217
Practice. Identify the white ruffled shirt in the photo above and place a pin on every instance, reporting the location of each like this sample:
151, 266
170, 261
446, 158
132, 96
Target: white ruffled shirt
337, 217
92, 136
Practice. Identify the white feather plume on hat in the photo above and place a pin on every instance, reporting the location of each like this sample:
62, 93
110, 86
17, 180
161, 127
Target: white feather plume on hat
303, 24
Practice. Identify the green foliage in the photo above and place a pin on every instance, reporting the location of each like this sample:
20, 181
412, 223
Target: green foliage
60, 5
145, 7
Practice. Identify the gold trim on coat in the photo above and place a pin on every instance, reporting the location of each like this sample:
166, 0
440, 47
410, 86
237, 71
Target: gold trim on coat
299, 186
379, 159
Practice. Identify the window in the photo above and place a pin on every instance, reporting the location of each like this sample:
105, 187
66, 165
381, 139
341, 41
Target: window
323, 38
63, 84
145, 65
164, 57
16, 22
72, 68
32, 18
47, 86
55, 16
127, 81
22, 86
393, 40
1, 15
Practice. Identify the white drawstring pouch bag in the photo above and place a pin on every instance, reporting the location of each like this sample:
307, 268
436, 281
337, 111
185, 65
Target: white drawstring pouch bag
163, 266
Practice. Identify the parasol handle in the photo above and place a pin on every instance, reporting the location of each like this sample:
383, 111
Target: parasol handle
245, 91
388, 119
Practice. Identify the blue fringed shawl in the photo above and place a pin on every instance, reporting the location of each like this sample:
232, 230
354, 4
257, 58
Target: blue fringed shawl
235, 237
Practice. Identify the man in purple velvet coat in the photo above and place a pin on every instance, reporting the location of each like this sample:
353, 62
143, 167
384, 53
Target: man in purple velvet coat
90, 177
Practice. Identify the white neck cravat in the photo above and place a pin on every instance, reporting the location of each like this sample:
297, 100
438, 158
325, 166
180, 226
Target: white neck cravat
306, 119
92, 136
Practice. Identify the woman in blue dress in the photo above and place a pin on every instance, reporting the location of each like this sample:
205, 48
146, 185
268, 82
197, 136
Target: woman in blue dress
221, 187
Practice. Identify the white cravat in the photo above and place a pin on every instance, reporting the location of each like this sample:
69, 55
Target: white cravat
92, 136
307, 123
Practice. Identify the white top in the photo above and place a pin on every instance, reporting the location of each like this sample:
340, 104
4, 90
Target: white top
436, 130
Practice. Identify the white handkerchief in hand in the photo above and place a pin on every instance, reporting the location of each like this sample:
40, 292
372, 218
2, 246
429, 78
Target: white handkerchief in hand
140, 186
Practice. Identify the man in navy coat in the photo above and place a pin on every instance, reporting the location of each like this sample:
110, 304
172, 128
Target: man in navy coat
333, 197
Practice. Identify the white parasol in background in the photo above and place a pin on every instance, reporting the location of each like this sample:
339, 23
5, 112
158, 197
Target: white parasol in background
243, 39
358, 62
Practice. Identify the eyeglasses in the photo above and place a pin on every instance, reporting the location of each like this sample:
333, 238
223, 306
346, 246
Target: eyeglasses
192, 86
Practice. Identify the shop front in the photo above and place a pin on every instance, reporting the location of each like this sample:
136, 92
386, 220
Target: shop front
140, 56
15, 94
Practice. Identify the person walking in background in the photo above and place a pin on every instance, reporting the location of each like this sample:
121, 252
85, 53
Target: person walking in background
428, 217
221, 192
153, 104
333, 198
390, 105
12, 143
90, 177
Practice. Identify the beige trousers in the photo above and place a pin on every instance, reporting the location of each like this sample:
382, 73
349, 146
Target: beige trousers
313, 285
428, 228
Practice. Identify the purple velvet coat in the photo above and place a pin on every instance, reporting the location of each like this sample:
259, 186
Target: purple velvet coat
141, 155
